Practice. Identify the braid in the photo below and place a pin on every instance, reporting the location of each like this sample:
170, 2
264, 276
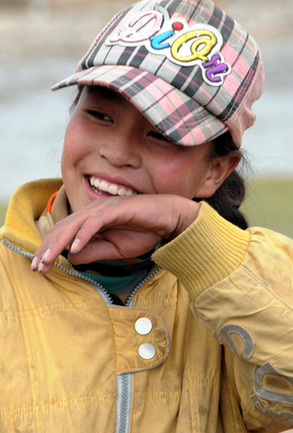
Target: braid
230, 195
228, 198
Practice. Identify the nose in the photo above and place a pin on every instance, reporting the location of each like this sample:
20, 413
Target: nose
121, 150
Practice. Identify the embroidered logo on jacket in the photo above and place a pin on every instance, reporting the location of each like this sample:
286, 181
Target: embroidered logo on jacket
180, 43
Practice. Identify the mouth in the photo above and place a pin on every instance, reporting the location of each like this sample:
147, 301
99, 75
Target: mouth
101, 186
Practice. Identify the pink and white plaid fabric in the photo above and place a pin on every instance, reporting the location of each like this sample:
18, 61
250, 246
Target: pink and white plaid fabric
193, 71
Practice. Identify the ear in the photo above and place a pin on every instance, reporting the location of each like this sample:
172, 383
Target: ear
221, 168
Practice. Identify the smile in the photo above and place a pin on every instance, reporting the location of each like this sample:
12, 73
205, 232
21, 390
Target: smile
110, 188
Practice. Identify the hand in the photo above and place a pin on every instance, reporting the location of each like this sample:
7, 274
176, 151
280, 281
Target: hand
116, 228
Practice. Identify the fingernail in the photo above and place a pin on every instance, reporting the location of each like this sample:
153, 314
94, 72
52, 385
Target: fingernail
34, 264
74, 246
41, 267
45, 256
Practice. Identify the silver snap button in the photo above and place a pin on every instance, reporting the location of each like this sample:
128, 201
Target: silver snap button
143, 326
146, 351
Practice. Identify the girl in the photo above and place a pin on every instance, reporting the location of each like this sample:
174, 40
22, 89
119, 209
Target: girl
151, 304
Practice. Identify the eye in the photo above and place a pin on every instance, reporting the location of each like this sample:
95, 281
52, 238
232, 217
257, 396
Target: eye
158, 136
99, 115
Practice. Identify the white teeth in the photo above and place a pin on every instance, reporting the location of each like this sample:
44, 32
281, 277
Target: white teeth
111, 188
104, 186
122, 192
96, 183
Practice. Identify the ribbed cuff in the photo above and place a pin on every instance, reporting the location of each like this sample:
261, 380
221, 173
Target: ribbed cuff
205, 253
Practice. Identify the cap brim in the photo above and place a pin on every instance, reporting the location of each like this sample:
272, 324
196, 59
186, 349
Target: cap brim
177, 116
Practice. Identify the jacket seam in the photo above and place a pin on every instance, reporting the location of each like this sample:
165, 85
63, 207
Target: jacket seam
54, 407
34, 383
266, 287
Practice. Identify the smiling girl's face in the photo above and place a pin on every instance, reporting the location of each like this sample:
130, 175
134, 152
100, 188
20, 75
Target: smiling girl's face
110, 148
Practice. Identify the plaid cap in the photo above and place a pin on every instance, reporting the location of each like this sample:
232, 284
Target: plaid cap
192, 70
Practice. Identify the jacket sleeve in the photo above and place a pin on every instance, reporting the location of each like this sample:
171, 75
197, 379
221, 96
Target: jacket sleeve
240, 285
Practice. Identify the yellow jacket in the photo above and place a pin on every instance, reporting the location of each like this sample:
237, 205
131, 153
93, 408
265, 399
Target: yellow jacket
203, 346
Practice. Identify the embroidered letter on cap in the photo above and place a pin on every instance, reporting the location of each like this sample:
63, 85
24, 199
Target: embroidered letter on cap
184, 45
150, 22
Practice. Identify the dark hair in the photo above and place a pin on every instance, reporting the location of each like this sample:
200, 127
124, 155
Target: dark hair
229, 197
76, 99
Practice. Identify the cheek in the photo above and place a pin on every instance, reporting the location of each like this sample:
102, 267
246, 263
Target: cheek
173, 175
180, 174
66, 154
72, 148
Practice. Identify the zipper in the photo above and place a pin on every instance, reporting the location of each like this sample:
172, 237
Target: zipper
124, 399
124, 380
96, 285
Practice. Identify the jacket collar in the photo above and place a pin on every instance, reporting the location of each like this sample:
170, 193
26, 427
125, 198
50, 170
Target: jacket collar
25, 207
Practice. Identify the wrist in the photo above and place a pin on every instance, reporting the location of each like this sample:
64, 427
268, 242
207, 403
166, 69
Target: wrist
189, 211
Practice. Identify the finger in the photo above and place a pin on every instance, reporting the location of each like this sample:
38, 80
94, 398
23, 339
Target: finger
63, 234
61, 237
123, 213
94, 251
96, 224
56, 241
117, 244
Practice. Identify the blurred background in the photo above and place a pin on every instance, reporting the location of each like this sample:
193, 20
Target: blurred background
41, 43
